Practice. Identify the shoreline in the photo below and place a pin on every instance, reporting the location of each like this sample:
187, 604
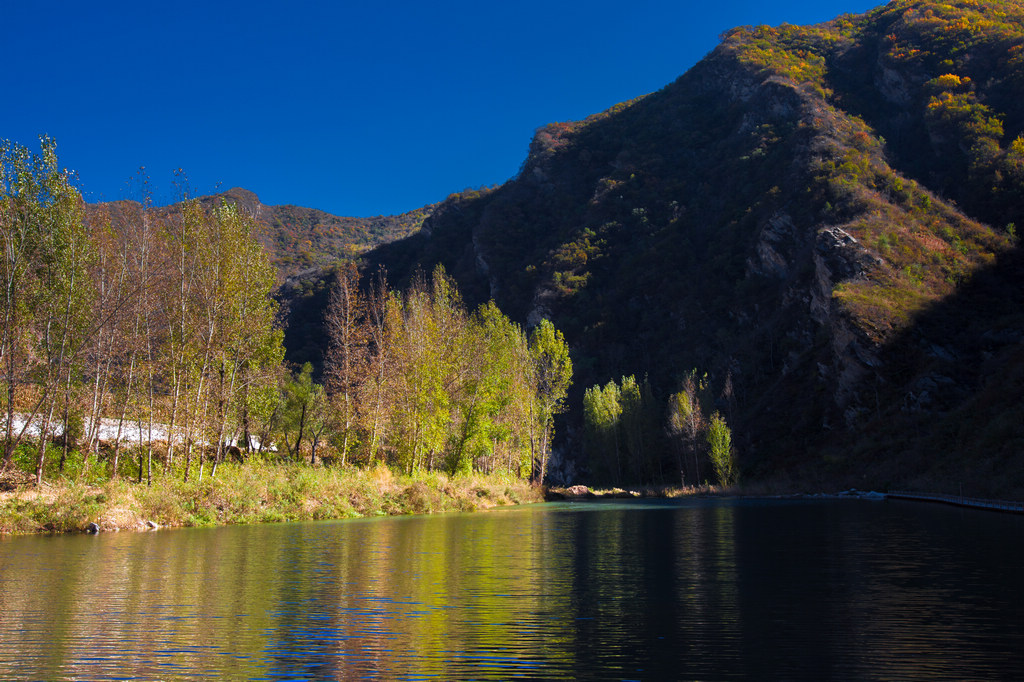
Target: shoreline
582, 492
290, 492
253, 493
1006, 506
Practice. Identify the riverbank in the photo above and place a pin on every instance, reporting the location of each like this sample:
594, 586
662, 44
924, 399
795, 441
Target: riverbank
251, 493
582, 492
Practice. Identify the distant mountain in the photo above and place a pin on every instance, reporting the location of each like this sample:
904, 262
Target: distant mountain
303, 244
823, 218
304, 240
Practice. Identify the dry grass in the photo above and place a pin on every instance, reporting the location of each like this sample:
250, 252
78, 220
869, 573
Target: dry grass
253, 493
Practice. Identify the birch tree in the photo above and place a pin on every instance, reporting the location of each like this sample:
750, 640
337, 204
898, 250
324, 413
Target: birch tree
64, 307
242, 337
42, 271
686, 419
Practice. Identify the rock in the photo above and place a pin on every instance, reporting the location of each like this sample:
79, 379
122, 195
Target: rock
152, 526
92, 528
892, 85
862, 494
1003, 337
774, 248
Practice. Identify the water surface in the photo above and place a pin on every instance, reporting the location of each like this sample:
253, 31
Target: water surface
698, 589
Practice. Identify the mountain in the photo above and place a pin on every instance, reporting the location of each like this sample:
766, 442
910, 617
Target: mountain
822, 219
300, 241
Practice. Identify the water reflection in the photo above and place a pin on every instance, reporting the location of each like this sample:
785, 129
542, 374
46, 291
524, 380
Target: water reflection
700, 589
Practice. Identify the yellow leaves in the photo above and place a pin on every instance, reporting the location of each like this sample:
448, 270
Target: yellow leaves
971, 118
950, 81
940, 102
1014, 161
1017, 147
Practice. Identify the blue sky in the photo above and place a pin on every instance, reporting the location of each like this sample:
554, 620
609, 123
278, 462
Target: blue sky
355, 108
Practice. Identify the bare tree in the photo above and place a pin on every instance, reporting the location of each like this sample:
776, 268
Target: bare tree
347, 362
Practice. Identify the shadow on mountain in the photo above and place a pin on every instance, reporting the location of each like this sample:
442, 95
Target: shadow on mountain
950, 409
740, 222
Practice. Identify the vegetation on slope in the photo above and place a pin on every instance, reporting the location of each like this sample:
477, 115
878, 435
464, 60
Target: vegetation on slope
783, 218
298, 240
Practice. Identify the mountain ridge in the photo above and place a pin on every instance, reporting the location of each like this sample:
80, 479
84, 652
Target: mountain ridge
299, 240
743, 223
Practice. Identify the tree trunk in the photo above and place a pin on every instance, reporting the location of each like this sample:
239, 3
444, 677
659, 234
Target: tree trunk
188, 459
44, 438
124, 414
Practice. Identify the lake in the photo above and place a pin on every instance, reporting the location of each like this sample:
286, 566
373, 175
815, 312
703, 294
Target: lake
647, 590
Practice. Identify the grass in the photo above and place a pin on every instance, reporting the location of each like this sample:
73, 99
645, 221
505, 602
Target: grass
256, 492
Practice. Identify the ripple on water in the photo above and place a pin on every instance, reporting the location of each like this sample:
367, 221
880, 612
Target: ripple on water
708, 589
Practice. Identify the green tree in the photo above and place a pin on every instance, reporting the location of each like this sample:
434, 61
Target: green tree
493, 396
299, 395
64, 307
34, 197
453, 390
639, 425
240, 314
422, 339
261, 407
719, 439
553, 376
602, 413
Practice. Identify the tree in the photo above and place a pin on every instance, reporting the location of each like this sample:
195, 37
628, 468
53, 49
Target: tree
346, 363
33, 191
373, 412
686, 420
239, 314
143, 246
449, 389
318, 419
261, 406
553, 375
679, 408
109, 282
46, 316
720, 447
300, 395
602, 412
179, 313
423, 338
638, 426
493, 395
64, 306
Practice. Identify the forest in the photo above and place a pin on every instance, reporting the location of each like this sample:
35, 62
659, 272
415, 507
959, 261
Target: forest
150, 347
